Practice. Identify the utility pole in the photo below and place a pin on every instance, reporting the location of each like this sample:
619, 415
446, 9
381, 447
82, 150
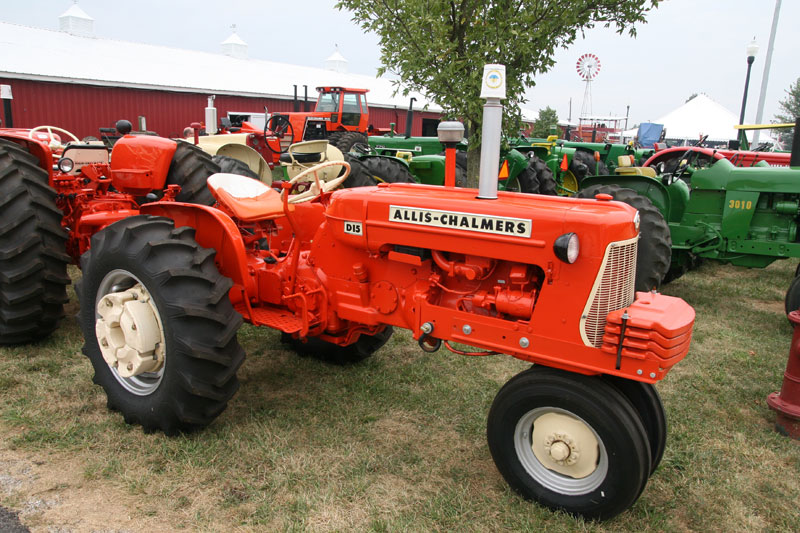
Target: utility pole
765, 77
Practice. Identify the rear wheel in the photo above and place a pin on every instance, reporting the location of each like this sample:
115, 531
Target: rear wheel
655, 245
546, 184
33, 262
158, 326
364, 347
348, 139
386, 169
359, 174
190, 168
229, 165
583, 164
570, 442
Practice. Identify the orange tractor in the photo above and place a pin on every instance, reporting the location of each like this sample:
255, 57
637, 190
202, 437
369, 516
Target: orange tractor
166, 285
341, 116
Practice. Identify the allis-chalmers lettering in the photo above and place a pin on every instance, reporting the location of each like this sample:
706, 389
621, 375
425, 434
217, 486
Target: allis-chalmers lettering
517, 227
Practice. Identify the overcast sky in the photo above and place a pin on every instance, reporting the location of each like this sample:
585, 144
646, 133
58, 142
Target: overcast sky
687, 46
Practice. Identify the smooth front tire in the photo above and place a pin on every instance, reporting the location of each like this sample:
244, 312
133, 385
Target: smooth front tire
158, 326
570, 442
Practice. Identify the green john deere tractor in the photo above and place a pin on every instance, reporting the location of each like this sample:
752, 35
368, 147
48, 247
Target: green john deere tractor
746, 216
423, 158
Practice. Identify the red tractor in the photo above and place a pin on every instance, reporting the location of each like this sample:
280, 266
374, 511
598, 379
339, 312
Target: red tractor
55, 197
341, 116
548, 280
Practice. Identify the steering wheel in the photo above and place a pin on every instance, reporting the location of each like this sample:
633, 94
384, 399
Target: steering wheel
317, 187
279, 125
54, 144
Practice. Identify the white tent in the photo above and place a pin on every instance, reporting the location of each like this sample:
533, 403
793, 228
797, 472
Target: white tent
699, 116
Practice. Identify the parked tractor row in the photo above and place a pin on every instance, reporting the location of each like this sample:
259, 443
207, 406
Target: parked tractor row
174, 256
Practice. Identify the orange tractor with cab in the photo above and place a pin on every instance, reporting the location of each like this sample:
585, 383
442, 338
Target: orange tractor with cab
167, 283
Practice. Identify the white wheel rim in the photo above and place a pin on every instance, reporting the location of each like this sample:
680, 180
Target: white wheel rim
145, 368
560, 451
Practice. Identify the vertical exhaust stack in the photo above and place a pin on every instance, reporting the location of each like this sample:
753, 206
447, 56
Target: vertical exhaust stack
493, 89
211, 116
410, 117
794, 161
295, 103
305, 98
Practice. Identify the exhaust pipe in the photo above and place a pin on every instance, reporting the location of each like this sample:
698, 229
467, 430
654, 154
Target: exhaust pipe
295, 103
410, 117
794, 161
493, 89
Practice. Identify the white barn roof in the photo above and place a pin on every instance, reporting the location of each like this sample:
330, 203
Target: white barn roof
47, 55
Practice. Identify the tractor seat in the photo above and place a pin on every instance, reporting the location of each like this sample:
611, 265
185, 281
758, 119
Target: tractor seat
626, 168
302, 158
248, 200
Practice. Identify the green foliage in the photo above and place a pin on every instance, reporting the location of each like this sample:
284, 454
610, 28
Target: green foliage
790, 110
547, 117
439, 47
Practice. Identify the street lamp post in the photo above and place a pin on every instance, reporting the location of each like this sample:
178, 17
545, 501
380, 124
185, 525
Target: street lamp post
752, 50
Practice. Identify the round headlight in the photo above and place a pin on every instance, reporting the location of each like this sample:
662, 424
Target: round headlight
65, 164
636, 220
567, 247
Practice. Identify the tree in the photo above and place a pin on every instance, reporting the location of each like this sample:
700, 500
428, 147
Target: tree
790, 110
547, 117
439, 47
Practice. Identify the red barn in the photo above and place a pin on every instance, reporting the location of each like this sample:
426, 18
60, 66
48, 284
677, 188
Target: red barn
79, 82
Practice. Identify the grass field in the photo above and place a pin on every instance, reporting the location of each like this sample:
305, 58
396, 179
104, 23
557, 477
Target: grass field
396, 443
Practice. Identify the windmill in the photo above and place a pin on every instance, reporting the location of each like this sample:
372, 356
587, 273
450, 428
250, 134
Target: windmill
588, 66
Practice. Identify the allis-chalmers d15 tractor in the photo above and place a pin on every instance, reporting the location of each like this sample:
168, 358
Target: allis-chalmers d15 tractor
166, 285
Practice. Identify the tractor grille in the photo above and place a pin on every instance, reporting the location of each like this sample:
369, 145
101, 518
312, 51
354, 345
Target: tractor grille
613, 289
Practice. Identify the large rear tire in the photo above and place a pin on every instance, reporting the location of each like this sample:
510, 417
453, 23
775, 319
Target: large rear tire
348, 138
583, 164
546, 183
33, 261
190, 168
229, 165
388, 170
655, 243
364, 347
571, 442
359, 174
170, 333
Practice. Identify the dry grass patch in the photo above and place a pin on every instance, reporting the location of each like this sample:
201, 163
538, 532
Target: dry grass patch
397, 442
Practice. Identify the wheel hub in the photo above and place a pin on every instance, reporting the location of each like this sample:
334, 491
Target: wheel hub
565, 445
129, 333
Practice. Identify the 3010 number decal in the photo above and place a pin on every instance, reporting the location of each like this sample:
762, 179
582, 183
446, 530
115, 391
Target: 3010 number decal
740, 204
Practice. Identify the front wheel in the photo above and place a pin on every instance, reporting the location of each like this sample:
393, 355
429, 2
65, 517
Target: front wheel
570, 442
158, 326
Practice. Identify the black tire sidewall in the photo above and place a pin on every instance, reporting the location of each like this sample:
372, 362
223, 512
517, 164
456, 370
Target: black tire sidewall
628, 459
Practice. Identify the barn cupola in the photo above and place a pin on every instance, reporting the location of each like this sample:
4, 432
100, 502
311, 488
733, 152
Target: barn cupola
75, 21
337, 62
234, 46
